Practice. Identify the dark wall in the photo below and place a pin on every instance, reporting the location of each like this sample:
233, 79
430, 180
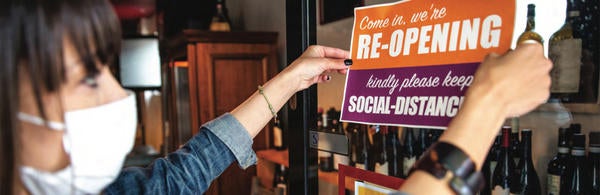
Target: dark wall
184, 14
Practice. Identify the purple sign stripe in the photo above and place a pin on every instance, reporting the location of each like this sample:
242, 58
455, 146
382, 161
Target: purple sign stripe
411, 96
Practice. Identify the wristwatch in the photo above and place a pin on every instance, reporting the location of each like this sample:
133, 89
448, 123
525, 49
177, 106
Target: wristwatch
446, 162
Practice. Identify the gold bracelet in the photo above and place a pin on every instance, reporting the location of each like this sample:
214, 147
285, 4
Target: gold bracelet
262, 92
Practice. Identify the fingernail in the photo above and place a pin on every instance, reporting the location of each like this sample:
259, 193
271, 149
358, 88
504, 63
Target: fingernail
348, 62
328, 77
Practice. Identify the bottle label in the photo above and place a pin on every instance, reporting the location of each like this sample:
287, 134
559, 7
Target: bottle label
277, 137
407, 164
381, 168
500, 191
553, 184
517, 160
578, 152
594, 149
563, 150
566, 57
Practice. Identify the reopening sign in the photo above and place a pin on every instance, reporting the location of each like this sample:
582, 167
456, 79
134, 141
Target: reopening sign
414, 60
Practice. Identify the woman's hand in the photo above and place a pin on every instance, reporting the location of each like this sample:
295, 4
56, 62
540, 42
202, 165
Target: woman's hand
310, 68
519, 81
314, 64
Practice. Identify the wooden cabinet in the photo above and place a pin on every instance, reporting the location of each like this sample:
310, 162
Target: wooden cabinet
224, 68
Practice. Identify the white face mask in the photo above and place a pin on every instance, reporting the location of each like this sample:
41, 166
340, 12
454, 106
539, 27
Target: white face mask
96, 140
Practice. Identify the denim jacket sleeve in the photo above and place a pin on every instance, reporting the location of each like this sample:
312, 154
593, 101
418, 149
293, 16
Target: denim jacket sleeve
191, 169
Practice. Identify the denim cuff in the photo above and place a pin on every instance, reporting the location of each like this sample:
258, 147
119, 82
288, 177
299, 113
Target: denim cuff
236, 138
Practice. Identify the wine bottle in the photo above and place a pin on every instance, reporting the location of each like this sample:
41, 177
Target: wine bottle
338, 128
332, 116
503, 177
528, 183
491, 160
354, 145
364, 160
495, 155
529, 34
379, 140
280, 180
421, 142
574, 128
409, 155
594, 159
565, 51
558, 164
325, 122
320, 119
576, 173
220, 21
487, 175
360, 158
394, 152
433, 135
278, 140
515, 146
325, 157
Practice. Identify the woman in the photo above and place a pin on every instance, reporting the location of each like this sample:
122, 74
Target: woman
66, 124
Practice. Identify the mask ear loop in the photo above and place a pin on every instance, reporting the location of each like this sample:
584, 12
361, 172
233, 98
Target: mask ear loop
36, 120
67, 146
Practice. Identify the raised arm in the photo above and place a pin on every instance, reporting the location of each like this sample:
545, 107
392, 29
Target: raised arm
310, 68
504, 86
224, 140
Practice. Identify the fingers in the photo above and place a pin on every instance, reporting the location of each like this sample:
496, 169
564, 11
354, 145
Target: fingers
491, 56
326, 64
535, 49
328, 52
325, 77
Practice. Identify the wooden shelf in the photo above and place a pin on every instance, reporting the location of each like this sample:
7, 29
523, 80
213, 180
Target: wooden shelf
332, 178
276, 156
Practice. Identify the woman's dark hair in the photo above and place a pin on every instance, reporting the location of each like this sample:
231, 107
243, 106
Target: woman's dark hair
32, 34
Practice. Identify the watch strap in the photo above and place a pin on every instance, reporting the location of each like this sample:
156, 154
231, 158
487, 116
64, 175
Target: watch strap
443, 157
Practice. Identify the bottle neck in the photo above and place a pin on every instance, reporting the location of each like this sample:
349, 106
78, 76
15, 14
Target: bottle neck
408, 138
422, 140
530, 23
505, 138
365, 140
219, 8
562, 141
408, 142
526, 143
572, 11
